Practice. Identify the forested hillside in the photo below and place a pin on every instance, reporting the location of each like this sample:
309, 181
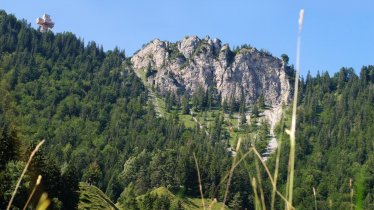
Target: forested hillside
334, 148
93, 111
335, 138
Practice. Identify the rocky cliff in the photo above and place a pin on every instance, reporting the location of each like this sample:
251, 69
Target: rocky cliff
193, 62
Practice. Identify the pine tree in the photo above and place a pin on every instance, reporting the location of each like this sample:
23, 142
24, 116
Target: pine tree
242, 109
9, 145
235, 203
224, 106
233, 105
92, 174
255, 111
167, 102
69, 187
210, 99
127, 199
177, 205
285, 59
185, 104
146, 203
261, 102
148, 71
243, 119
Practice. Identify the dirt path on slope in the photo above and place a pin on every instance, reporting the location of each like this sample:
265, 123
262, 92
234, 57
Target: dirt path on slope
272, 116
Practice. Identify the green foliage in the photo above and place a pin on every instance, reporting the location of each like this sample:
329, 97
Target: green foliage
185, 105
92, 174
9, 145
127, 199
162, 198
334, 140
261, 102
69, 189
149, 71
255, 111
285, 59
235, 203
8, 179
91, 109
174, 53
199, 101
90, 197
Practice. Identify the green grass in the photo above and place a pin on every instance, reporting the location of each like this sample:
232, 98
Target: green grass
162, 191
187, 120
196, 204
141, 75
158, 102
161, 106
188, 203
91, 197
206, 119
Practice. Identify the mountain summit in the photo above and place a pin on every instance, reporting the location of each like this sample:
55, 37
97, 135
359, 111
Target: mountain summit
242, 74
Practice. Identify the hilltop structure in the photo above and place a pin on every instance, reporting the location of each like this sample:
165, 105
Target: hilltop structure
45, 23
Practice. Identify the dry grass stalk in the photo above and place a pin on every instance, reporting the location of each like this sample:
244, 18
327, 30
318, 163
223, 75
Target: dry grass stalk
257, 201
212, 203
254, 150
44, 202
38, 181
292, 132
315, 198
351, 193
233, 166
24, 172
270, 177
276, 172
262, 196
200, 185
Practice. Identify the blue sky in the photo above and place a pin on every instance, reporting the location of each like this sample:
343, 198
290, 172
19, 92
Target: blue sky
336, 33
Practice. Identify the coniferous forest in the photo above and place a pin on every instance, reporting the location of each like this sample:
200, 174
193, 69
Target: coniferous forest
99, 129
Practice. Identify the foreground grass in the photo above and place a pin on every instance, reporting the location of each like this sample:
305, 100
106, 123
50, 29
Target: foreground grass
91, 197
188, 203
196, 203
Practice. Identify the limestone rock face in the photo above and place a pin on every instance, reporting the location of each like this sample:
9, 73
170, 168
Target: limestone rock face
192, 62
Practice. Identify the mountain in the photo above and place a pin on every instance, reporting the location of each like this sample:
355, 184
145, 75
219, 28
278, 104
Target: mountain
99, 113
92, 110
191, 63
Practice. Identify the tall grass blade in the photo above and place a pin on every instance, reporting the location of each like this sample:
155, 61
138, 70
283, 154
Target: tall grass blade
292, 132
252, 149
351, 193
200, 185
276, 171
315, 198
38, 181
230, 173
24, 172
257, 200
260, 185
44, 202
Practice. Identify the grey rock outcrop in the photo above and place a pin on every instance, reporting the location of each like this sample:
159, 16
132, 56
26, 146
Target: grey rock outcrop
193, 62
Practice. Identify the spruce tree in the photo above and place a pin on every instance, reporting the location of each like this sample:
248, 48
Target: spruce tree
235, 203
185, 104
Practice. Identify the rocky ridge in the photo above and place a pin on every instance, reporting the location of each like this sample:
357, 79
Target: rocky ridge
192, 62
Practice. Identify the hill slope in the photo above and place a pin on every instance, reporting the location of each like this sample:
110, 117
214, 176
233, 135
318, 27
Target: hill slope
92, 110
